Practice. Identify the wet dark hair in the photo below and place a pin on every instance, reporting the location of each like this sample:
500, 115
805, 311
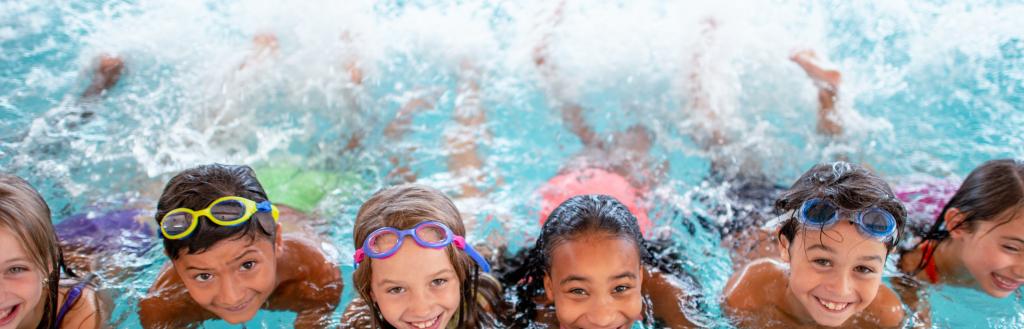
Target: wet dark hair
574, 218
848, 186
195, 189
987, 194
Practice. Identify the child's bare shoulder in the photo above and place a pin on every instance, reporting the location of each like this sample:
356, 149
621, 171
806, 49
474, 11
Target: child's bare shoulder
753, 285
886, 309
307, 273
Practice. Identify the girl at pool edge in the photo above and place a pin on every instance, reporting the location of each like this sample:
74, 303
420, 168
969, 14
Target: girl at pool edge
590, 263
405, 282
31, 265
840, 224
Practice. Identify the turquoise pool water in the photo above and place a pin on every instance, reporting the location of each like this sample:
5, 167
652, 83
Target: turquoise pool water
930, 89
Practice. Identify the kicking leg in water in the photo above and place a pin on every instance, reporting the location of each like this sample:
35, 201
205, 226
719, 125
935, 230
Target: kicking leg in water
827, 78
107, 73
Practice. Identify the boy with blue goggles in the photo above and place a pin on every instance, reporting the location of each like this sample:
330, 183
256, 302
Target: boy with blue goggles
872, 222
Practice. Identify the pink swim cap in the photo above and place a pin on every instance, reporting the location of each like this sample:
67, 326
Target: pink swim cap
592, 181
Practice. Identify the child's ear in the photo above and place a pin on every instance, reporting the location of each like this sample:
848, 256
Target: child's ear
277, 238
955, 223
548, 288
783, 248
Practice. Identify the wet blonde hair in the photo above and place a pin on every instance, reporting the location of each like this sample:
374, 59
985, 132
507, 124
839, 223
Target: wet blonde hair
26, 215
403, 207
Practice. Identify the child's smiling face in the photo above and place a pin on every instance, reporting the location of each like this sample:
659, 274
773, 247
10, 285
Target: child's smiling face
834, 273
993, 253
595, 282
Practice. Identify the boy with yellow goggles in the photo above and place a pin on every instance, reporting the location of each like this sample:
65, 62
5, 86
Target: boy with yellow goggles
226, 211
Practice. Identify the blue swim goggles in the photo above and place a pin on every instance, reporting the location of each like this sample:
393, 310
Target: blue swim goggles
873, 222
385, 242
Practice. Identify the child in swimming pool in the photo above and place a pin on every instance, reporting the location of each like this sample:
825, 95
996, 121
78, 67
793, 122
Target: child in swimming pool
230, 257
414, 267
33, 295
592, 268
978, 238
840, 222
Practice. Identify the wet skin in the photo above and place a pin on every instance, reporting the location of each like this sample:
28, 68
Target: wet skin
22, 292
988, 257
235, 278
828, 278
416, 287
595, 282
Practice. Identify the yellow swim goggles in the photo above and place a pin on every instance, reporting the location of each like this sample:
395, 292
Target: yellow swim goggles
226, 211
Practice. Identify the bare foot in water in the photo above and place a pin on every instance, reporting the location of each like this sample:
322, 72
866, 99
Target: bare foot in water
264, 45
108, 72
827, 78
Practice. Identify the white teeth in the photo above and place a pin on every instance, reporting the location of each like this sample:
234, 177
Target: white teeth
833, 306
6, 312
422, 325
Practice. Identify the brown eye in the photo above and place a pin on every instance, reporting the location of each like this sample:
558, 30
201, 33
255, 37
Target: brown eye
864, 269
578, 291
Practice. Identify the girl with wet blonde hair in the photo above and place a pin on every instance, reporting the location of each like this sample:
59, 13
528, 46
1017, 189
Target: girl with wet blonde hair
31, 266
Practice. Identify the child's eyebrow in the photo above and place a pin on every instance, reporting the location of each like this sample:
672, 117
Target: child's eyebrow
443, 271
873, 257
573, 278
625, 275
243, 254
1016, 239
821, 247
15, 260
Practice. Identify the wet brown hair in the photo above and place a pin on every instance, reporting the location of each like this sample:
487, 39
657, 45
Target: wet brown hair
403, 207
991, 192
848, 186
195, 189
24, 212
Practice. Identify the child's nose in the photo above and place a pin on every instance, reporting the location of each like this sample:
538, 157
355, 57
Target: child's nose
604, 314
231, 293
420, 304
841, 285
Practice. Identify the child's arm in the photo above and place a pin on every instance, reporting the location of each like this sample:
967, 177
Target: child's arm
909, 292
356, 315
310, 284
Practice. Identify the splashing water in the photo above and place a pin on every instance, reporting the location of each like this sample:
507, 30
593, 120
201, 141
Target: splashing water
929, 89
